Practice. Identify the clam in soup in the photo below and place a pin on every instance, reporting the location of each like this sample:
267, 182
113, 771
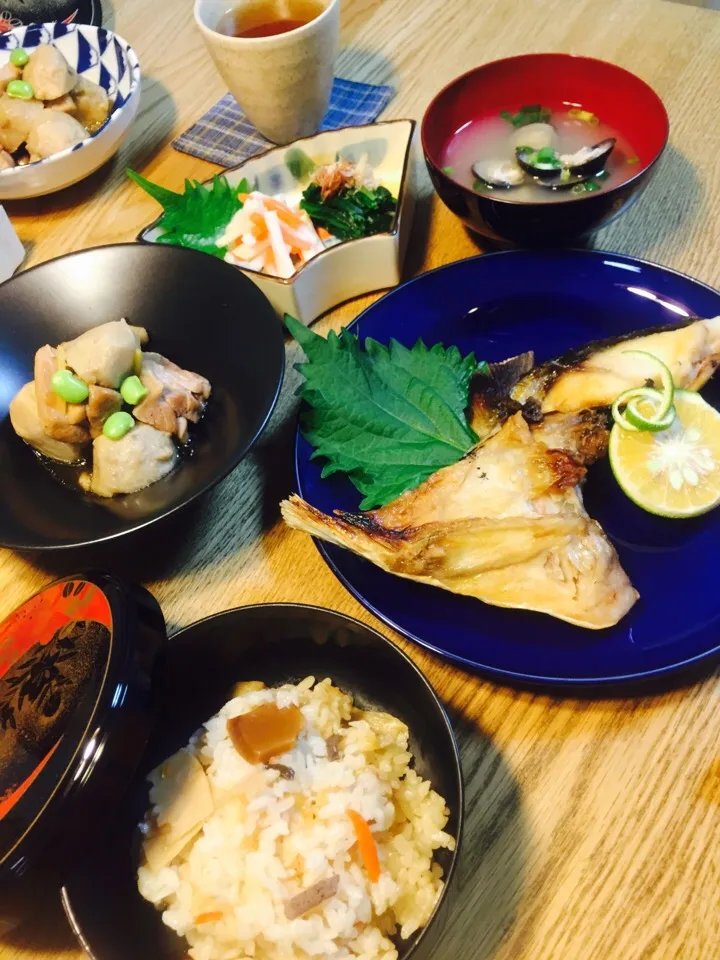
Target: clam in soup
539, 154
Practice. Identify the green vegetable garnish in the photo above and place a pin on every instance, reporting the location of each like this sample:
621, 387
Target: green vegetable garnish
20, 89
535, 113
481, 185
19, 57
587, 186
69, 388
117, 425
197, 217
548, 155
388, 417
544, 157
132, 390
448, 171
352, 213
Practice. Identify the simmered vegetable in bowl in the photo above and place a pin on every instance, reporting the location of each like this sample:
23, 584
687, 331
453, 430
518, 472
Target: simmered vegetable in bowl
101, 402
45, 106
202, 316
66, 104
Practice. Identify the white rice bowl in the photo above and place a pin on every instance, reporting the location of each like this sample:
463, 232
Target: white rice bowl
268, 838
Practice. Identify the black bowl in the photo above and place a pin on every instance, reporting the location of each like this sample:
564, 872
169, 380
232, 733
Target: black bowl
276, 643
200, 312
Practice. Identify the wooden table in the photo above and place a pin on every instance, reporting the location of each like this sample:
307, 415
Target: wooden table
592, 825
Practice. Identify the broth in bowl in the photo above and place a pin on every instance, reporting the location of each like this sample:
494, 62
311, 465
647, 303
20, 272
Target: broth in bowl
540, 154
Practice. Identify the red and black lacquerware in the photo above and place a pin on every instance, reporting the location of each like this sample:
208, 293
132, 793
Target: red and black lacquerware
623, 101
75, 716
18, 13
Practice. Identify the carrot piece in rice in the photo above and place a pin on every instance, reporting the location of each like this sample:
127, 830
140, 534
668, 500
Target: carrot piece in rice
366, 846
210, 917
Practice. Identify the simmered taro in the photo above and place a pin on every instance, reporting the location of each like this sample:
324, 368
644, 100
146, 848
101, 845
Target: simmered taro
45, 107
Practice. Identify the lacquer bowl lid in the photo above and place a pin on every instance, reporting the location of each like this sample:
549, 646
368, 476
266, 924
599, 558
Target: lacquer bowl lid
75, 663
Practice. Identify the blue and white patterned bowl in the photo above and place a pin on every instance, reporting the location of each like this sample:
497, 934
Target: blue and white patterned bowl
101, 56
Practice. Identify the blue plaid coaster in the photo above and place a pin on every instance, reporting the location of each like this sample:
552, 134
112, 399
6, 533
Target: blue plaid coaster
225, 135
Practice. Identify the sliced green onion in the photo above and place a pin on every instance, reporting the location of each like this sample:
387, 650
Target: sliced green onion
448, 171
68, 387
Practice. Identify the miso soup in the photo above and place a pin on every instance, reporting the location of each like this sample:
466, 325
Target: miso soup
537, 154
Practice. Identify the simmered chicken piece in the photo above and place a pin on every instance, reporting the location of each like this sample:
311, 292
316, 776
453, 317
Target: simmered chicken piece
6, 160
52, 132
49, 73
174, 395
26, 424
17, 117
60, 420
102, 403
92, 104
105, 355
143, 456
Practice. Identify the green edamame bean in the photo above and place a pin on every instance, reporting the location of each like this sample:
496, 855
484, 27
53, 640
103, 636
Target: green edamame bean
133, 391
69, 388
20, 89
19, 57
117, 425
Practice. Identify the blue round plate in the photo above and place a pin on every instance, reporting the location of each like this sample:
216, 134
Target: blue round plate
499, 305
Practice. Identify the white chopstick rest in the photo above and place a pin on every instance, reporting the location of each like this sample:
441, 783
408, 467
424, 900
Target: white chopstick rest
12, 252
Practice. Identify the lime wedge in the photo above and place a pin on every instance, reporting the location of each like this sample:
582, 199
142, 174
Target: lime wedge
674, 472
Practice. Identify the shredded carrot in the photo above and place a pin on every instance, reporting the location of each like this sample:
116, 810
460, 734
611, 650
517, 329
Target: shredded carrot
210, 917
323, 233
366, 846
285, 214
242, 197
260, 230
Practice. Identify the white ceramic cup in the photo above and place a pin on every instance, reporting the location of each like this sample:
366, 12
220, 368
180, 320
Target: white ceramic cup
282, 82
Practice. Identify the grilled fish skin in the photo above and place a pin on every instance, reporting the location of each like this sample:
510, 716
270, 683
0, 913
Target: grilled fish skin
506, 525
595, 374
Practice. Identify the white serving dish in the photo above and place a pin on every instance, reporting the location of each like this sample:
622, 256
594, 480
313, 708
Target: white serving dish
12, 252
353, 267
102, 57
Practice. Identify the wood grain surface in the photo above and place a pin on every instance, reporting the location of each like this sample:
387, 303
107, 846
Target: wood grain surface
593, 826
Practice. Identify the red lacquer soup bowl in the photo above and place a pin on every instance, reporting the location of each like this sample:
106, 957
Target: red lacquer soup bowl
622, 101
